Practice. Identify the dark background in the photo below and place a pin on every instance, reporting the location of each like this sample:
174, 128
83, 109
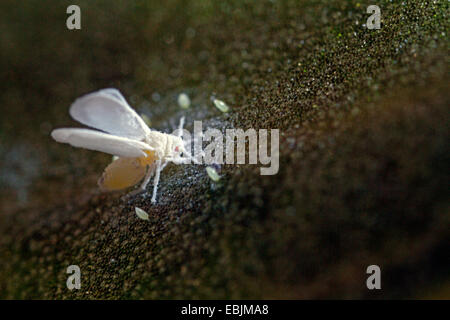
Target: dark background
364, 153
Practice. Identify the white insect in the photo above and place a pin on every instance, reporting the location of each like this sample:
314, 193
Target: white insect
142, 152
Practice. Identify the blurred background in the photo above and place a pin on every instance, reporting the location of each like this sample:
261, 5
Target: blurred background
364, 174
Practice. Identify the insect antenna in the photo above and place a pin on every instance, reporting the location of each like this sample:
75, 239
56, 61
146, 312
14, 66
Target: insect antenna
180, 127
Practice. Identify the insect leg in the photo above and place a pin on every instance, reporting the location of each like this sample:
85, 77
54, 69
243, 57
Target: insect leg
156, 180
164, 164
148, 176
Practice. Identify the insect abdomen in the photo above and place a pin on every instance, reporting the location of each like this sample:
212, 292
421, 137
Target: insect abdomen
125, 172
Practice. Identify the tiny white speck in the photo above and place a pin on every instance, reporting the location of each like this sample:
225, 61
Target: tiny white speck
156, 97
212, 173
222, 106
184, 101
141, 213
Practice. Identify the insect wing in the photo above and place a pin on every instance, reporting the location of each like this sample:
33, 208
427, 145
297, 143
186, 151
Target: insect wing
99, 141
115, 94
107, 110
